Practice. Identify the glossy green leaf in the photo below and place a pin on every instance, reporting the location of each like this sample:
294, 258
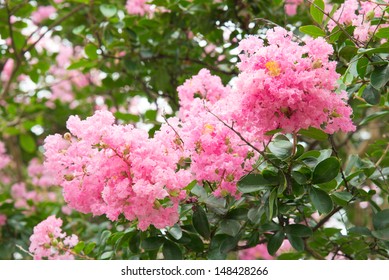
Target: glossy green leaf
382, 234
27, 143
326, 170
200, 222
321, 200
230, 227
296, 242
316, 10
91, 51
282, 149
171, 251
298, 230
256, 182
371, 95
314, 133
275, 242
379, 77
176, 231
106, 255
312, 30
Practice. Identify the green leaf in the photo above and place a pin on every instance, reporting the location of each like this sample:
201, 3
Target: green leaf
381, 220
256, 182
275, 242
362, 64
342, 198
364, 231
374, 116
152, 243
312, 30
108, 10
171, 251
176, 231
314, 133
326, 170
282, 149
89, 248
296, 242
127, 117
106, 255
78, 248
373, 50
255, 214
316, 10
27, 143
298, 230
382, 33
91, 51
195, 244
321, 200
229, 227
379, 77
382, 234
371, 95
200, 222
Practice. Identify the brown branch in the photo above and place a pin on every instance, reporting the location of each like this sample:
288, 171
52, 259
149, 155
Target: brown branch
326, 218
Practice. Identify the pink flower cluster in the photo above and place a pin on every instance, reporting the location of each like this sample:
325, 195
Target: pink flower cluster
42, 13
291, 6
260, 252
285, 85
114, 169
49, 242
3, 219
39, 175
4, 158
359, 14
138, 7
22, 196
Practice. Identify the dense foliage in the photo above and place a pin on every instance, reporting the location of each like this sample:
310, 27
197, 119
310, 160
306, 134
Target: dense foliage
194, 129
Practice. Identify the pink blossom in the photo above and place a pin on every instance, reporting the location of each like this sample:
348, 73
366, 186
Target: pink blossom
42, 13
291, 6
3, 219
138, 7
4, 158
7, 70
49, 242
113, 169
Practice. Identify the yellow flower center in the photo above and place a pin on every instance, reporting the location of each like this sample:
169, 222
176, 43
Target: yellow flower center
208, 128
273, 68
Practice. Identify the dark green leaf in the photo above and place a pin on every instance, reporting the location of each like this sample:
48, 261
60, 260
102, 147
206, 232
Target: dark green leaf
256, 182
326, 170
152, 243
298, 230
321, 200
342, 198
275, 242
364, 231
371, 95
379, 77
171, 251
229, 227
296, 242
312, 30
381, 219
314, 133
362, 64
200, 222
195, 244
